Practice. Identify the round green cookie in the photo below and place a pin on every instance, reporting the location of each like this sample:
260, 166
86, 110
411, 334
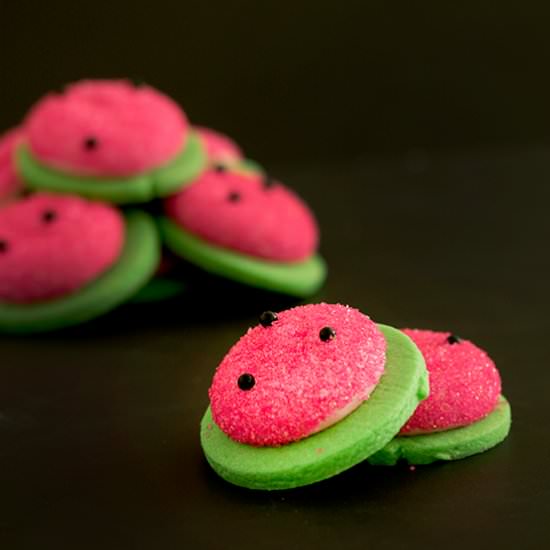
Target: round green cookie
450, 444
324, 454
159, 182
300, 279
135, 266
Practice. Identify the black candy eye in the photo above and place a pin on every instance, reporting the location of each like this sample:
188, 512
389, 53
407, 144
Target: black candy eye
327, 333
267, 318
90, 143
220, 168
49, 216
234, 196
246, 381
3, 246
454, 339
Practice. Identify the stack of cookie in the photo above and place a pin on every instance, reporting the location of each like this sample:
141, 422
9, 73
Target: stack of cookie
314, 390
105, 187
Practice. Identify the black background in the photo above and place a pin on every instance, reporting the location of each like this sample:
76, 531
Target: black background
418, 133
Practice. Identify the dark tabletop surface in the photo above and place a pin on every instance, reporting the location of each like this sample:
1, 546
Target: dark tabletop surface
99, 425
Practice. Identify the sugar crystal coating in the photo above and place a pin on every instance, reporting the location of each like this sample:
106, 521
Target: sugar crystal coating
106, 128
234, 210
301, 383
464, 383
55, 245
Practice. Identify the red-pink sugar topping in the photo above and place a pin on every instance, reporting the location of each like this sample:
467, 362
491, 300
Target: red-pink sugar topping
52, 245
10, 182
248, 213
296, 375
106, 128
218, 146
464, 383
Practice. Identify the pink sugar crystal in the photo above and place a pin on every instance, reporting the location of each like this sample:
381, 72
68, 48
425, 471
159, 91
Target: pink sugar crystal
106, 128
302, 383
52, 245
464, 383
238, 211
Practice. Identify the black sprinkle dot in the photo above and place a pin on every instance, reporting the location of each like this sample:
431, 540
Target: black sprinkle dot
234, 196
267, 318
220, 168
246, 381
269, 182
454, 339
327, 333
49, 216
91, 143
3, 246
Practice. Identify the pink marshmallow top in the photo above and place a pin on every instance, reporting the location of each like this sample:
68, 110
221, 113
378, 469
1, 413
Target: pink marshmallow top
52, 245
10, 182
106, 128
219, 147
302, 383
240, 212
464, 383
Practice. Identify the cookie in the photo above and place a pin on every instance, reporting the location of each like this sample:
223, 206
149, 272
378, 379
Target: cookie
307, 394
246, 227
465, 413
65, 260
109, 140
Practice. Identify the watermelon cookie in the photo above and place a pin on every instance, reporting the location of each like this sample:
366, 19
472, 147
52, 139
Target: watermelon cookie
221, 150
308, 393
10, 182
248, 228
64, 260
109, 140
465, 413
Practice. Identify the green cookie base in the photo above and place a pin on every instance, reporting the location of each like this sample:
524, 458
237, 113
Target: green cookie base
339, 447
159, 182
300, 279
136, 265
159, 289
451, 444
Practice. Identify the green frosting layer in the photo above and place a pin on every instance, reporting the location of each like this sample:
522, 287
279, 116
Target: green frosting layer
159, 182
135, 266
451, 444
299, 279
339, 447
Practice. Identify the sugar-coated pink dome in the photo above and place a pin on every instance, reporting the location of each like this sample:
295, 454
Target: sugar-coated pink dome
464, 383
247, 213
106, 128
310, 367
52, 245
